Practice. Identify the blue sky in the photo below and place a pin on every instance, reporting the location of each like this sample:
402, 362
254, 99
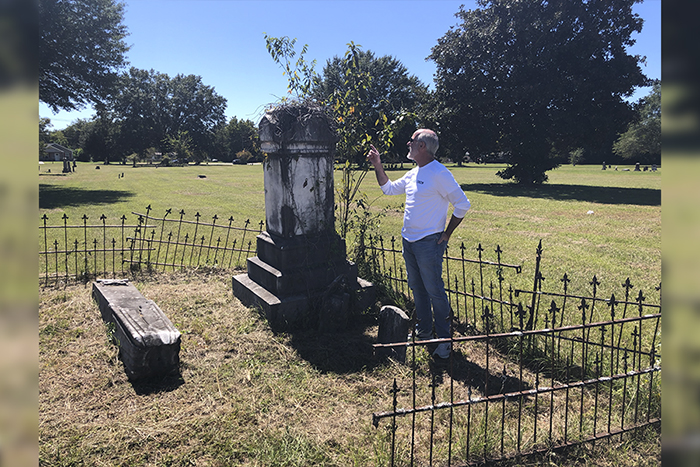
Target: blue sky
223, 41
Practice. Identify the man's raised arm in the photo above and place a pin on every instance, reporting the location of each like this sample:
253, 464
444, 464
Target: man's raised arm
376, 161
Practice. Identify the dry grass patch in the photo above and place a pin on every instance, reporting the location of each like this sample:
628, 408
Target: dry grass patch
244, 395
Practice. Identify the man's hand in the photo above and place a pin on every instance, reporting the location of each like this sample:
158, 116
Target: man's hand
374, 159
443, 238
373, 156
451, 226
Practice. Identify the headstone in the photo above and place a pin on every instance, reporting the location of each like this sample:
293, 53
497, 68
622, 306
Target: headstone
149, 344
393, 328
66, 165
300, 256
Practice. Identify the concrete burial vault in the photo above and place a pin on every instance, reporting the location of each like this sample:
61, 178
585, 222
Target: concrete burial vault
301, 277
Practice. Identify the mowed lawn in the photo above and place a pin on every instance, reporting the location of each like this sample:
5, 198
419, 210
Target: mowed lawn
591, 222
248, 396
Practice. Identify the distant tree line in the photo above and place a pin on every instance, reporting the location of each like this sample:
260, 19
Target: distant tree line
529, 84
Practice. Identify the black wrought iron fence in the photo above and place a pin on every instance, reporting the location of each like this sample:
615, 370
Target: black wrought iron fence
113, 247
531, 370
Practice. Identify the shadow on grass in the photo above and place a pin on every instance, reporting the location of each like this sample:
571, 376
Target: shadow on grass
592, 194
52, 197
348, 351
476, 376
345, 352
157, 385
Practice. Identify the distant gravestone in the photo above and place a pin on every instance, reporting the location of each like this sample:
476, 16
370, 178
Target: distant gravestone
393, 328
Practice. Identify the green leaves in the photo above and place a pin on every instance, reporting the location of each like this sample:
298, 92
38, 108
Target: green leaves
301, 73
81, 50
531, 81
151, 107
642, 140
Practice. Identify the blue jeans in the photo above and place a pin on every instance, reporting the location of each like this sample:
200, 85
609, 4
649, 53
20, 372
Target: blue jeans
424, 268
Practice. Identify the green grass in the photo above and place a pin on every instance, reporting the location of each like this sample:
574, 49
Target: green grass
247, 396
621, 238
226, 190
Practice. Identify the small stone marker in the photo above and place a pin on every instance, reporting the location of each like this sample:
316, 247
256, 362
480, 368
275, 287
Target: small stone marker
393, 327
149, 344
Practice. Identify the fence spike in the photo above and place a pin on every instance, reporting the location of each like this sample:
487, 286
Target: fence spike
640, 297
553, 309
612, 303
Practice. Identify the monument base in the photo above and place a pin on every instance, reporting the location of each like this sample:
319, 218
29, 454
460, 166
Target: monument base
326, 311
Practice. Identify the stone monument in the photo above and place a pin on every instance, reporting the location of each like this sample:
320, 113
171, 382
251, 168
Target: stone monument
301, 276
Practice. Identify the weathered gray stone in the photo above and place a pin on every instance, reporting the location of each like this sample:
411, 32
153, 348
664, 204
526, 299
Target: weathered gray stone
393, 328
300, 251
283, 313
302, 264
149, 344
300, 256
298, 171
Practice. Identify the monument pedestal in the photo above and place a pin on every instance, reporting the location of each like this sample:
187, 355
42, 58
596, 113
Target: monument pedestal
291, 277
301, 276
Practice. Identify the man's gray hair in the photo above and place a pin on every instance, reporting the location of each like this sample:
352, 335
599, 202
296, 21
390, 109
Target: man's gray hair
430, 139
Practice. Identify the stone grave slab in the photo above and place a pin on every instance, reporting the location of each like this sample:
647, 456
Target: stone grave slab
149, 344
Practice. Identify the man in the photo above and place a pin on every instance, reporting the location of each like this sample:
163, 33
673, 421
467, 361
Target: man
429, 189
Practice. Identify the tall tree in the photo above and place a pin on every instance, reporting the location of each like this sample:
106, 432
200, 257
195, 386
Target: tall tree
81, 51
151, 107
642, 140
141, 105
532, 80
76, 133
197, 109
100, 138
236, 136
45, 126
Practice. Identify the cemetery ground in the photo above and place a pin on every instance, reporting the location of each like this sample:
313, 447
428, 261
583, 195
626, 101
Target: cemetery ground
248, 396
